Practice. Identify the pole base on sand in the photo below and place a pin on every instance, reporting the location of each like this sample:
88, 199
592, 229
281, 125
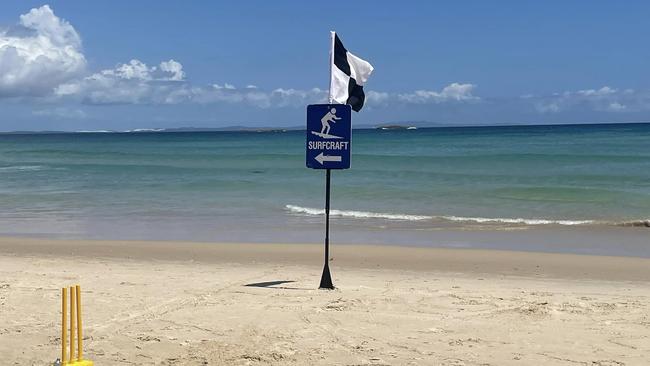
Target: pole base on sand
326, 279
79, 363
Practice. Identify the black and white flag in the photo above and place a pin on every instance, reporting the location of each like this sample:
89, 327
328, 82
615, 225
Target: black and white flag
348, 74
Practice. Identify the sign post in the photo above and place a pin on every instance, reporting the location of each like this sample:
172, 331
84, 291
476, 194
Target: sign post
329, 128
326, 278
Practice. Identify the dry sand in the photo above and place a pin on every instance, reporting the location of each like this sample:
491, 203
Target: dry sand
162, 303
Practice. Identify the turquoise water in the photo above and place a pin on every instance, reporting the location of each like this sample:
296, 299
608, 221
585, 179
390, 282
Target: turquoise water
254, 186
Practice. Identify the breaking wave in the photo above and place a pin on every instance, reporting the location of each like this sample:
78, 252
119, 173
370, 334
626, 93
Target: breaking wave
406, 217
501, 220
125, 131
145, 130
356, 214
21, 168
636, 223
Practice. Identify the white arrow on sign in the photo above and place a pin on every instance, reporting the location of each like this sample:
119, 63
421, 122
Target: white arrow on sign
323, 158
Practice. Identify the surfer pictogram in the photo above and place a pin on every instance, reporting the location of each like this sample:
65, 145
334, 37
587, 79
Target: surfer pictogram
329, 117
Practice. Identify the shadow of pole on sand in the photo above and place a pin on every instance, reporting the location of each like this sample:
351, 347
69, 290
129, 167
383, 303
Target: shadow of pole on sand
274, 284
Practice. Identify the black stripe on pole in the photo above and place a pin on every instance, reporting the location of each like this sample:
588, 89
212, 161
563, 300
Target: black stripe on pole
326, 278
341, 56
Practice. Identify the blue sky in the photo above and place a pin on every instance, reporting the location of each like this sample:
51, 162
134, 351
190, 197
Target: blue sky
122, 65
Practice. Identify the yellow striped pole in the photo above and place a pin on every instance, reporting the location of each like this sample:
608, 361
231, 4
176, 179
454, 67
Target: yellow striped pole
79, 335
68, 355
64, 321
72, 323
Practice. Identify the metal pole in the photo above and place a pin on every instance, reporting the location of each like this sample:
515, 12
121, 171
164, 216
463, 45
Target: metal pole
332, 35
326, 278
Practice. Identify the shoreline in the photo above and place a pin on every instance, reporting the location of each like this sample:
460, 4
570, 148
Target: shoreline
592, 240
345, 256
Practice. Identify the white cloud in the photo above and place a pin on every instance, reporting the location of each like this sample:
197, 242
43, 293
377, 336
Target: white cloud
548, 107
174, 68
135, 69
263, 99
377, 98
295, 97
42, 56
616, 107
137, 83
224, 86
61, 113
605, 90
605, 99
452, 92
131, 83
38, 54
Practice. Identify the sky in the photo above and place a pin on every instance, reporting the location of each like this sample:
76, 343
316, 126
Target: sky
120, 65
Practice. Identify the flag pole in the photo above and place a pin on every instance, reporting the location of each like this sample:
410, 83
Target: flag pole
332, 35
326, 278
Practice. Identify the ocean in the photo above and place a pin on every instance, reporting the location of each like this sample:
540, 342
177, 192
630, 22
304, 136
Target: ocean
496, 187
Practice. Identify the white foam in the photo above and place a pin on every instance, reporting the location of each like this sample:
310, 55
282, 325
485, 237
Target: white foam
19, 168
357, 214
501, 220
145, 130
407, 217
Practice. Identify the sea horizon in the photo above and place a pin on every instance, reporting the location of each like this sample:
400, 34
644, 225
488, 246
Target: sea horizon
271, 128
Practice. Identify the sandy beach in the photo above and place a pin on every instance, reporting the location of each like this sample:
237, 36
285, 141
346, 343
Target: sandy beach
168, 303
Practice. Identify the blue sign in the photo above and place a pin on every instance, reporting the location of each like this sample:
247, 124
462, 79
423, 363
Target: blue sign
329, 127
